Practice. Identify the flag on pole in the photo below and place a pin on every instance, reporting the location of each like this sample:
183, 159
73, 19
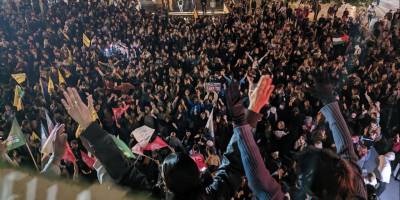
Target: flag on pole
18, 94
70, 59
210, 123
86, 41
143, 135
137, 149
341, 40
199, 160
118, 112
195, 13
41, 86
225, 10
44, 88
158, 143
47, 147
61, 79
89, 161
35, 136
20, 77
78, 131
68, 155
65, 35
50, 86
16, 138
49, 122
123, 147
43, 134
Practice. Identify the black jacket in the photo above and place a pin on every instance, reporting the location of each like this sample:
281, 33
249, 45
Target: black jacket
223, 186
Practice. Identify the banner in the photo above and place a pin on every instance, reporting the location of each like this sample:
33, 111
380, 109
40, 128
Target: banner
16, 138
213, 87
18, 95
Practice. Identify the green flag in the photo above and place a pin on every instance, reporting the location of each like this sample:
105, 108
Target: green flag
15, 139
123, 147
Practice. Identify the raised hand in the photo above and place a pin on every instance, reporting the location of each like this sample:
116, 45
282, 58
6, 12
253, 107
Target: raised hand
261, 94
234, 102
78, 110
59, 142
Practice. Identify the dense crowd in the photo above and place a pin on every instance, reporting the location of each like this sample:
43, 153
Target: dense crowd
160, 68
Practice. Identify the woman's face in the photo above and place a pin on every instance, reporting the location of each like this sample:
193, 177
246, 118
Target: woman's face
281, 125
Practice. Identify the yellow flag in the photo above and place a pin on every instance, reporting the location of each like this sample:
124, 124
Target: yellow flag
70, 59
50, 86
226, 10
61, 79
35, 136
18, 94
86, 41
41, 86
65, 35
94, 115
195, 13
94, 118
78, 131
20, 78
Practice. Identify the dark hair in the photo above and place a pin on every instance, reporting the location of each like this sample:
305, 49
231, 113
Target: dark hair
181, 175
324, 175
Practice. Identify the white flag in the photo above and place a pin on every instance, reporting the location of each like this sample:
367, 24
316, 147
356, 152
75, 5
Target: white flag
43, 135
143, 135
210, 123
47, 147
50, 125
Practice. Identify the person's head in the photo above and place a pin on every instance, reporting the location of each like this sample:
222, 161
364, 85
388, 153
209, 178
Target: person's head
173, 134
188, 134
362, 150
74, 144
308, 121
275, 155
281, 125
397, 138
181, 175
324, 175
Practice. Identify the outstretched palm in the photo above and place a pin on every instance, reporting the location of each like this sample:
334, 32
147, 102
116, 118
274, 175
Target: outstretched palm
261, 94
75, 107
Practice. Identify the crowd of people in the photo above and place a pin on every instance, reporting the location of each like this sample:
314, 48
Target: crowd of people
159, 70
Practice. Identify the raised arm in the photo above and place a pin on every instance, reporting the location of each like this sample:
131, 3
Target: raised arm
228, 176
122, 170
324, 89
260, 180
340, 131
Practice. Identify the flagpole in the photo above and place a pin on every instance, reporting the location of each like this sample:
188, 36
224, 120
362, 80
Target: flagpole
145, 157
30, 152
